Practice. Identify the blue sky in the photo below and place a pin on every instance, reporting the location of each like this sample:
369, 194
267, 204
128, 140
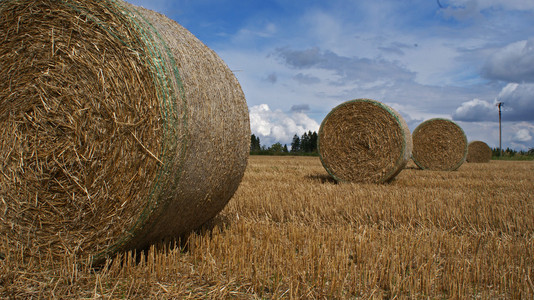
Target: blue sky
296, 60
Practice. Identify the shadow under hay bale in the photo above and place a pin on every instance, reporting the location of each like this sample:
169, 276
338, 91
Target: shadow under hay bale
322, 178
439, 144
120, 128
478, 152
363, 140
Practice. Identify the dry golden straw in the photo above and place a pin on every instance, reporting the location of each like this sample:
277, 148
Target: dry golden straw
364, 140
439, 144
478, 152
119, 128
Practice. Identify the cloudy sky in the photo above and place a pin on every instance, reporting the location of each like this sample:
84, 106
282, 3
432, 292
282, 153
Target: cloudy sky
298, 59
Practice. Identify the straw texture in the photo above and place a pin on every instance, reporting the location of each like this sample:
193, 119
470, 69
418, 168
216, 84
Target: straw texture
120, 128
478, 152
439, 144
363, 140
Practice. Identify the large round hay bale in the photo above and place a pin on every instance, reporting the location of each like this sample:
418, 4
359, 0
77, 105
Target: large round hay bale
478, 152
363, 140
119, 128
439, 144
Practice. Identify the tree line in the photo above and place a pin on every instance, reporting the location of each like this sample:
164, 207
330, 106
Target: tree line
306, 144
512, 154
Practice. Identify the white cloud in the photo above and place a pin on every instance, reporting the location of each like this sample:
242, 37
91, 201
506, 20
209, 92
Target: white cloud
519, 136
426, 61
518, 105
522, 135
348, 69
265, 31
512, 63
518, 102
479, 118
508, 89
475, 110
515, 135
277, 126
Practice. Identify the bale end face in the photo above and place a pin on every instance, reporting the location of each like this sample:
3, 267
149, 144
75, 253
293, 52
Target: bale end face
439, 144
478, 152
363, 140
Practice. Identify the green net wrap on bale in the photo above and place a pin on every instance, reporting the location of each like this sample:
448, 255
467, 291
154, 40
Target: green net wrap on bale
478, 152
119, 128
439, 144
364, 140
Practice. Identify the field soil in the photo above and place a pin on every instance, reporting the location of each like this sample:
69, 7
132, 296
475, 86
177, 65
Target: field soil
292, 232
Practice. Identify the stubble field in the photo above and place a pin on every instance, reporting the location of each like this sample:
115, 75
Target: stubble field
291, 232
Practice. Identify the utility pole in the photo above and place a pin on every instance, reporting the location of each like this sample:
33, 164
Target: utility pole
499, 104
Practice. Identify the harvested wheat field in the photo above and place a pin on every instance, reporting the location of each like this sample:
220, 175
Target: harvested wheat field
291, 232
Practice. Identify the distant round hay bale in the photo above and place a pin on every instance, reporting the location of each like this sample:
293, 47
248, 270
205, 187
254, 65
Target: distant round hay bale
363, 140
439, 144
478, 152
119, 128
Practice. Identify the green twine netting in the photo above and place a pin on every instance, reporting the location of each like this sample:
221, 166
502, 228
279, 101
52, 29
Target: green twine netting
160, 60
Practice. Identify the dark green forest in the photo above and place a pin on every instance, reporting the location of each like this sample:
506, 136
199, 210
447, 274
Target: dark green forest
306, 144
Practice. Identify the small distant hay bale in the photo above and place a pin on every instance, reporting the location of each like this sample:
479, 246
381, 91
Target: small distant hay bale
363, 140
439, 144
119, 128
478, 152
